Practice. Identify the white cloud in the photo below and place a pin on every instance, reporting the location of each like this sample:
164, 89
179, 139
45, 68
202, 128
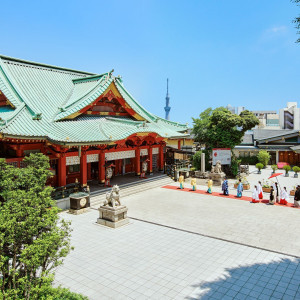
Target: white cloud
278, 29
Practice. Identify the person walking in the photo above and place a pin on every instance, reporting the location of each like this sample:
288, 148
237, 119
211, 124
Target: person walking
255, 198
209, 185
181, 181
240, 189
260, 190
194, 184
297, 197
225, 187
272, 195
276, 189
284, 197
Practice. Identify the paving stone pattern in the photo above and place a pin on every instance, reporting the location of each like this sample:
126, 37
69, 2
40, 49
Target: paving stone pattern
273, 228
146, 261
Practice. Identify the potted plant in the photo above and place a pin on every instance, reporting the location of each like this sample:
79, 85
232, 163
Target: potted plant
287, 168
296, 169
274, 168
266, 186
246, 185
259, 166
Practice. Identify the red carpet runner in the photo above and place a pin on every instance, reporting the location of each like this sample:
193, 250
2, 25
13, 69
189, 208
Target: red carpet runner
172, 187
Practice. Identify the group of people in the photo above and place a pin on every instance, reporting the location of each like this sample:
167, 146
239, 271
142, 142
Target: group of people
276, 196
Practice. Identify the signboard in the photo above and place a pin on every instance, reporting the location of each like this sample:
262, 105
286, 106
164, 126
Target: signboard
221, 154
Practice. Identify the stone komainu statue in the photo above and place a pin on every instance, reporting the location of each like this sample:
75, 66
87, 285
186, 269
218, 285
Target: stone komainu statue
108, 173
144, 167
217, 168
113, 197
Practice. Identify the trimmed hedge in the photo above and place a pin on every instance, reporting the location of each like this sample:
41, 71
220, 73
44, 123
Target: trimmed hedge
251, 160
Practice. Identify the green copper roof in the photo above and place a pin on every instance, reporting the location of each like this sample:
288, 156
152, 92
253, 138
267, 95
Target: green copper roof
43, 96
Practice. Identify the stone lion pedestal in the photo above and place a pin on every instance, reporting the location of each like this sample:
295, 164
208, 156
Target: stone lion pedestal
216, 174
113, 217
217, 178
112, 213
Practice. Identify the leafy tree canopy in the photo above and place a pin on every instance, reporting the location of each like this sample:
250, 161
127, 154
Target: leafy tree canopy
33, 239
297, 20
220, 128
264, 157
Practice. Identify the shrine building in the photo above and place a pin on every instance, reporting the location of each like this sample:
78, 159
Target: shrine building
81, 121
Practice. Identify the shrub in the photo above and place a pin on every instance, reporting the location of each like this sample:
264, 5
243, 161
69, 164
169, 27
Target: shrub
235, 162
197, 160
251, 160
263, 157
287, 168
296, 169
259, 166
274, 167
265, 184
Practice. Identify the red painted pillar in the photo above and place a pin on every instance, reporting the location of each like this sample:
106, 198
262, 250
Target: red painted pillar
137, 161
83, 169
19, 152
62, 176
101, 167
161, 157
150, 159
179, 144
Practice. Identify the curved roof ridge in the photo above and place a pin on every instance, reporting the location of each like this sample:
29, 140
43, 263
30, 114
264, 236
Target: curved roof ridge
124, 120
67, 105
10, 81
145, 111
17, 60
89, 78
172, 122
85, 100
14, 116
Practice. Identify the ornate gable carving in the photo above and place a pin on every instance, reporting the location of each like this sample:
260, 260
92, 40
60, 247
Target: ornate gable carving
110, 103
4, 101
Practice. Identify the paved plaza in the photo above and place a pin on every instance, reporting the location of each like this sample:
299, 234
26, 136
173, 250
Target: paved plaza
144, 260
269, 227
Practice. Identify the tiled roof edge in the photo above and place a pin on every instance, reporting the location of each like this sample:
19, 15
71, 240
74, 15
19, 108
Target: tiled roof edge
44, 65
120, 85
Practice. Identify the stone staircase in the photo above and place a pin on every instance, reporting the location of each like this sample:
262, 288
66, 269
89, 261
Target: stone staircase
97, 197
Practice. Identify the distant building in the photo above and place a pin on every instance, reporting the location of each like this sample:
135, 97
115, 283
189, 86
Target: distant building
231, 108
235, 110
290, 116
268, 119
282, 144
239, 109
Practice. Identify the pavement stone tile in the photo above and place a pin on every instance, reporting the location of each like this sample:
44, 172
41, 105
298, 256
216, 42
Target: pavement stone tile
167, 263
240, 296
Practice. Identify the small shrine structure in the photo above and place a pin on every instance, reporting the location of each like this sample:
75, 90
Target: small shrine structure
82, 121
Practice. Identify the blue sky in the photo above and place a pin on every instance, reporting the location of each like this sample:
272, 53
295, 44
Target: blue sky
215, 52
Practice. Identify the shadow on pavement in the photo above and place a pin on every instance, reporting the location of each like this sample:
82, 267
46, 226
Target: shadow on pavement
276, 280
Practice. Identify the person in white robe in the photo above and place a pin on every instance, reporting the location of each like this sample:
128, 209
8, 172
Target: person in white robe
284, 199
255, 198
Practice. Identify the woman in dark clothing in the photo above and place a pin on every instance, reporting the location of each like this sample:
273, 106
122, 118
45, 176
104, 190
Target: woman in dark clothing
272, 192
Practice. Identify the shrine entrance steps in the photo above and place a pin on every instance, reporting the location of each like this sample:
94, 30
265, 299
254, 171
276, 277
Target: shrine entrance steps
98, 197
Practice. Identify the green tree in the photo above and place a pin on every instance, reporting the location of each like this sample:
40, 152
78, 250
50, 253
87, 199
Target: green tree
33, 239
263, 157
297, 20
220, 128
197, 160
